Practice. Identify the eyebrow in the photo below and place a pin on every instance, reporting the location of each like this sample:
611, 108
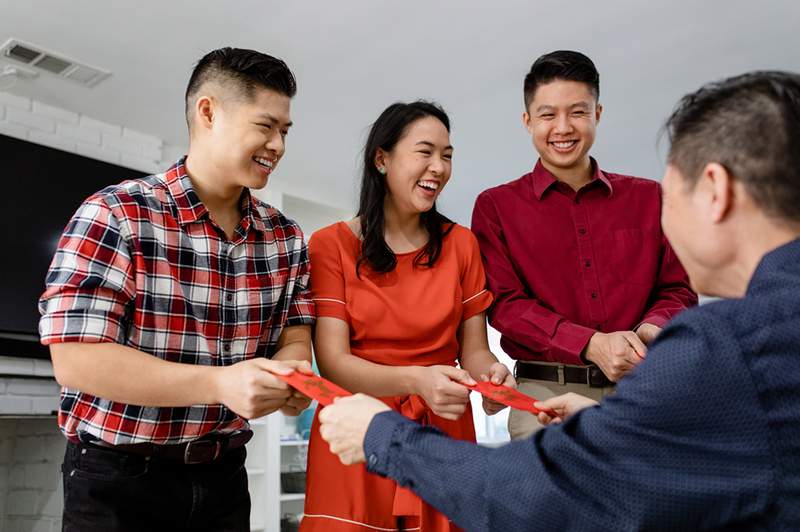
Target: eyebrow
432, 145
271, 118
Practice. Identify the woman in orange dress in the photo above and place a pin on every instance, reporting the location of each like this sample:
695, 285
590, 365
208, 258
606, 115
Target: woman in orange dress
400, 296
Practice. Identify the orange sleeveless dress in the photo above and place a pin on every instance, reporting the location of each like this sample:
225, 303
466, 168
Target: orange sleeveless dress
409, 316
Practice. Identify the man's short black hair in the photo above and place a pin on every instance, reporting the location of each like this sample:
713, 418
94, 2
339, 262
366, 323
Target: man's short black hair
239, 71
750, 124
561, 65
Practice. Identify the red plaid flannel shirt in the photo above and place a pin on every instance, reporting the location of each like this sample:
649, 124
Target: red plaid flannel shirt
141, 264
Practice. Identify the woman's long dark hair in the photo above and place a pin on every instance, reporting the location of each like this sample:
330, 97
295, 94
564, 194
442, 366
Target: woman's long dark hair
386, 132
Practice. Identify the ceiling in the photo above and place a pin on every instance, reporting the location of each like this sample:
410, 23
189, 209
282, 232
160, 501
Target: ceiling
353, 58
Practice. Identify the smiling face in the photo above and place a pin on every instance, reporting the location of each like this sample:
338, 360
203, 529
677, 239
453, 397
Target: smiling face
418, 167
246, 137
562, 120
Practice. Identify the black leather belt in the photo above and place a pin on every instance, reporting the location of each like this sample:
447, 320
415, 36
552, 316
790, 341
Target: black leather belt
200, 451
562, 374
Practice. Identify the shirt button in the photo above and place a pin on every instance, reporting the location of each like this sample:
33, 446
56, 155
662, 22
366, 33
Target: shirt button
226, 347
373, 460
581, 231
594, 295
588, 263
229, 297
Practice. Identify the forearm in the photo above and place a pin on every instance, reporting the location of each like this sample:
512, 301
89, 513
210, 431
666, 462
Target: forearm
477, 362
294, 351
358, 375
126, 375
451, 475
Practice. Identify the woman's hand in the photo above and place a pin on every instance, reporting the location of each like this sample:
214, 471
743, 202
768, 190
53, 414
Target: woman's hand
498, 374
442, 388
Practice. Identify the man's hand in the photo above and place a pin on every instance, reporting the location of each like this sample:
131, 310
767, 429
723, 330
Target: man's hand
250, 389
344, 425
647, 332
298, 401
442, 388
498, 374
563, 405
615, 353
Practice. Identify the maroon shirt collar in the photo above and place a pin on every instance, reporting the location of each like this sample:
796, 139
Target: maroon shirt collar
542, 179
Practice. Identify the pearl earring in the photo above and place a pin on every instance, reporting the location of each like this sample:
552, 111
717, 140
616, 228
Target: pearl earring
382, 170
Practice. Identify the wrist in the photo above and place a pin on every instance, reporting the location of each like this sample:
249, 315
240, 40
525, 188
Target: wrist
588, 352
213, 388
411, 379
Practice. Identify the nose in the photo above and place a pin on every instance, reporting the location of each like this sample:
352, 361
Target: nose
276, 144
437, 166
563, 125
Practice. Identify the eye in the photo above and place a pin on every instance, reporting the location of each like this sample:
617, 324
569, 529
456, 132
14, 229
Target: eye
579, 113
448, 156
426, 152
284, 133
264, 125
547, 116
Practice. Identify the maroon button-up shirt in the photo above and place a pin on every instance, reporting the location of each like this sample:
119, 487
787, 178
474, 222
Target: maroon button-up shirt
563, 265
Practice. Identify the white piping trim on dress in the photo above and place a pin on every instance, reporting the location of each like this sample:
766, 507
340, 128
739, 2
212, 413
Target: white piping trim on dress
356, 522
473, 297
329, 299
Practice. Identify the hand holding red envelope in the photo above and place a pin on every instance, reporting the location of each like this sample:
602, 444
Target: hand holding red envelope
314, 386
324, 391
509, 397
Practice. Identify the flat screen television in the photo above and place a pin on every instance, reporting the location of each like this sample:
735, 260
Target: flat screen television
42, 188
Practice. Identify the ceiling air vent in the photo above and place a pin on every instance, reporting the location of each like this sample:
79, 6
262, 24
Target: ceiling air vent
58, 64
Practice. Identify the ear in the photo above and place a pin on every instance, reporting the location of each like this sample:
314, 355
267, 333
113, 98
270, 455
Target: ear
526, 122
380, 158
719, 186
597, 112
205, 108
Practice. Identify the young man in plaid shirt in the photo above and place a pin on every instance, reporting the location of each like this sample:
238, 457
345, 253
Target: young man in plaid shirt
170, 303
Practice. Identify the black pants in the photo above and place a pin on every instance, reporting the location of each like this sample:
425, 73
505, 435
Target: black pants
107, 490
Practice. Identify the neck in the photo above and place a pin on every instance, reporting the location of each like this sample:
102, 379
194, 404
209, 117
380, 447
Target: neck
754, 239
211, 184
575, 176
403, 231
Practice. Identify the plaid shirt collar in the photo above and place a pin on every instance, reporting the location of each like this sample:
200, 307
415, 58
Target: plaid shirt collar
191, 209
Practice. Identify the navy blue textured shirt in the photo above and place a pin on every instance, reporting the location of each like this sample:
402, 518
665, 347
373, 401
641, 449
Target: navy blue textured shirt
703, 435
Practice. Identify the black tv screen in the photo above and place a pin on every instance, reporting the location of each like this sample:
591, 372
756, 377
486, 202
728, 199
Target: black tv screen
42, 188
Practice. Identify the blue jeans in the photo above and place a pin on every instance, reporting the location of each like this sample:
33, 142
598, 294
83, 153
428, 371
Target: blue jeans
108, 490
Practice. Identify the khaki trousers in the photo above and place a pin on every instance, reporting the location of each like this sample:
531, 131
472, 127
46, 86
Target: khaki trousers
522, 424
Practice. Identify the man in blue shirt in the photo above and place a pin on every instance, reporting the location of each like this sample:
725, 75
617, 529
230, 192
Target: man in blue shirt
705, 433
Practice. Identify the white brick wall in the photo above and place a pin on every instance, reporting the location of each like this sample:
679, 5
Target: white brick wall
31, 493
32, 120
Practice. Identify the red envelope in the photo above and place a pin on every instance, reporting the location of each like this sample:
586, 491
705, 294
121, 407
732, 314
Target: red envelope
509, 397
314, 386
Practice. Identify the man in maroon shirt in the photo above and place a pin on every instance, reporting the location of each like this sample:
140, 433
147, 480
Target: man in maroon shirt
583, 277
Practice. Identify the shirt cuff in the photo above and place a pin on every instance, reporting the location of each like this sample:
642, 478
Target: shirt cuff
383, 439
654, 319
569, 342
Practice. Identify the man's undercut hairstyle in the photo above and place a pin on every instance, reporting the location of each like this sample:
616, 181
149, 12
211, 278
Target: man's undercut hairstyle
239, 72
750, 124
564, 65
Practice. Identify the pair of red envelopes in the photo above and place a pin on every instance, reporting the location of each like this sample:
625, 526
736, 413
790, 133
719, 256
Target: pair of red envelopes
324, 391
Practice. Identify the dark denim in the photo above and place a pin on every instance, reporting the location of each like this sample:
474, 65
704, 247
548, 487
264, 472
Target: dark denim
107, 490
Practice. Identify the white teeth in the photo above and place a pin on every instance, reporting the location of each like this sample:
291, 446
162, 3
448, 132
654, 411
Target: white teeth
430, 185
565, 144
263, 162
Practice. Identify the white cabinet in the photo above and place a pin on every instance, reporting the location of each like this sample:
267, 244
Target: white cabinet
267, 456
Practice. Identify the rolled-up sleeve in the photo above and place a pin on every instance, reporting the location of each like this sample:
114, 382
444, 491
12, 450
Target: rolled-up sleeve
90, 284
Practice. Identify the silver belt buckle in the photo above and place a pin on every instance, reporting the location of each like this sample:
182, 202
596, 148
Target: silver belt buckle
561, 379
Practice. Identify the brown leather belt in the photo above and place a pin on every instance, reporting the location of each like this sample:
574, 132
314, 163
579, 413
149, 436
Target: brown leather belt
562, 374
200, 451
